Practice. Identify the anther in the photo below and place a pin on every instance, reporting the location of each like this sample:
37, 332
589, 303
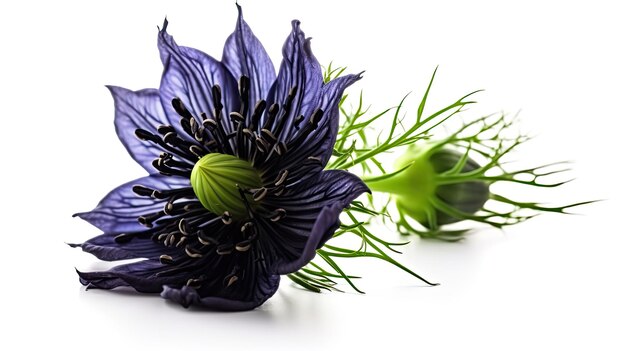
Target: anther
183, 227
193, 125
243, 246
171, 238
206, 240
224, 249
278, 214
196, 150
170, 137
313, 160
166, 259
194, 283
259, 194
227, 218
210, 123
231, 280
282, 176
181, 241
192, 253
256, 114
236, 117
316, 117
247, 226
268, 135
271, 116
142, 190
142, 134
180, 108
216, 91
165, 128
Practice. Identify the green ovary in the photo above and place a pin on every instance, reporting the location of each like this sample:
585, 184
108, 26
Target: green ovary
216, 180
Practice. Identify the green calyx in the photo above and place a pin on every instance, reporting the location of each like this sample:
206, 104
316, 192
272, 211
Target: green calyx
217, 179
423, 192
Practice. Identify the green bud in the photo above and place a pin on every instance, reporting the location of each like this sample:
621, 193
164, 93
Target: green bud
423, 191
216, 180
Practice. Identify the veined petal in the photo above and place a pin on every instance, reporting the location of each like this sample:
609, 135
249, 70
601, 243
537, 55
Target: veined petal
299, 69
138, 109
189, 75
244, 55
106, 248
264, 286
142, 276
312, 216
118, 211
317, 144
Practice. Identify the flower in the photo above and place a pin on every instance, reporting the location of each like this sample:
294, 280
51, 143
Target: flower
236, 194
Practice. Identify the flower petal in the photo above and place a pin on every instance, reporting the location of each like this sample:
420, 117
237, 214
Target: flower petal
106, 248
138, 109
312, 218
142, 276
265, 286
299, 69
189, 75
118, 211
319, 143
244, 55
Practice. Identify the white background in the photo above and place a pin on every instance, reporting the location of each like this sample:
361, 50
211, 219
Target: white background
555, 282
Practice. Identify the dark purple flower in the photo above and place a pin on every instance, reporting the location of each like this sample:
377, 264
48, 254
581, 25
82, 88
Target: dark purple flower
237, 194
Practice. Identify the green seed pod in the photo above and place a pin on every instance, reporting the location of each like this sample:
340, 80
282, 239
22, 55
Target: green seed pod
216, 180
427, 186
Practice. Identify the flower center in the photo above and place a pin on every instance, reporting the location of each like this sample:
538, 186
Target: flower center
220, 181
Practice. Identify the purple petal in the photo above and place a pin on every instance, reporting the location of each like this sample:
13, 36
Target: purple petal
189, 75
299, 69
264, 288
142, 276
312, 218
106, 248
318, 143
138, 109
118, 211
244, 55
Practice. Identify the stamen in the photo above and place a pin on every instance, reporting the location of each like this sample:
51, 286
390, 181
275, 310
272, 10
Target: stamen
166, 259
278, 214
268, 135
271, 116
236, 117
244, 93
286, 110
246, 227
181, 241
282, 176
192, 253
243, 246
227, 218
180, 108
194, 283
259, 194
257, 113
183, 227
232, 280
224, 249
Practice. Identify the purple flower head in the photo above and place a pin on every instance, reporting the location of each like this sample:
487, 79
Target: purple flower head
236, 193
